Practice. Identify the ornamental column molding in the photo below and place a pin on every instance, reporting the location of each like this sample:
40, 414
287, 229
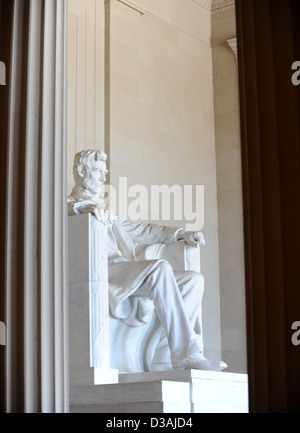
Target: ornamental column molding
35, 298
233, 45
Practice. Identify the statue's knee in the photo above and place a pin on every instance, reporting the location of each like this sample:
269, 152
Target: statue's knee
165, 266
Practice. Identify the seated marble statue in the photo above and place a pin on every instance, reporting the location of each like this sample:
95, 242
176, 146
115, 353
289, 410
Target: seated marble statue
133, 282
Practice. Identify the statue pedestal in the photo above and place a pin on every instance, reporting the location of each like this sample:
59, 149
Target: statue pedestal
176, 391
89, 358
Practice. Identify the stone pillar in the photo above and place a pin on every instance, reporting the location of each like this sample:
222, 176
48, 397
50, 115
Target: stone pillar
107, 72
34, 263
268, 43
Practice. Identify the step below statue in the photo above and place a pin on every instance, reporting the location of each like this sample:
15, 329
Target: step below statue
138, 287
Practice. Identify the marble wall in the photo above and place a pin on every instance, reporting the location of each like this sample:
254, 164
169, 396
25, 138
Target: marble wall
163, 111
229, 184
162, 117
86, 72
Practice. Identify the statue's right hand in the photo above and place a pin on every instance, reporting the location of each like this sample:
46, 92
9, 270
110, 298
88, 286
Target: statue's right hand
101, 213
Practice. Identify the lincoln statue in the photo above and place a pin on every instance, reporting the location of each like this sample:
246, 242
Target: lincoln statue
138, 286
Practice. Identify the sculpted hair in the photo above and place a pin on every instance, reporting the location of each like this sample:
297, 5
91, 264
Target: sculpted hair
82, 158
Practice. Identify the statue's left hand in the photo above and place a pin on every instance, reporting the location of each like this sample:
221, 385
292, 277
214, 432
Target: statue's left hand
194, 238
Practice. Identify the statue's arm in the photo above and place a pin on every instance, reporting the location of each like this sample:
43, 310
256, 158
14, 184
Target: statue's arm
73, 208
100, 211
150, 233
79, 207
155, 233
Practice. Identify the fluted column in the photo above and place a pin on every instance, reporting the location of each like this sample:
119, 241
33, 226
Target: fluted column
36, 377
268, 44
107, 72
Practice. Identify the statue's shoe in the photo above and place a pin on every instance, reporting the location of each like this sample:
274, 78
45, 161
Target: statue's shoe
193, 362
199, 362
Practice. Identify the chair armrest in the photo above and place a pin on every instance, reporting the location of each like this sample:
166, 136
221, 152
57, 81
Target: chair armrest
180, 255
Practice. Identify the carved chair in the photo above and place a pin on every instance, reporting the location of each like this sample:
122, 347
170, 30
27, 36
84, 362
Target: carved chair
97, 339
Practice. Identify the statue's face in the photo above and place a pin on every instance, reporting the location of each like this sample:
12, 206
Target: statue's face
94, 175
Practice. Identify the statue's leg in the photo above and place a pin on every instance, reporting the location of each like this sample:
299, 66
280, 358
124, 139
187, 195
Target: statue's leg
184, 344
191, 286
155, 280
161, 287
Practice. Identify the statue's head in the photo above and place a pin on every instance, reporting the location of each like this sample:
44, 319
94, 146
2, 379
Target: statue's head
89, 169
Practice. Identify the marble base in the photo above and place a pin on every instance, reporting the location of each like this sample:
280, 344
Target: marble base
180, 391
183, 376
105, 375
